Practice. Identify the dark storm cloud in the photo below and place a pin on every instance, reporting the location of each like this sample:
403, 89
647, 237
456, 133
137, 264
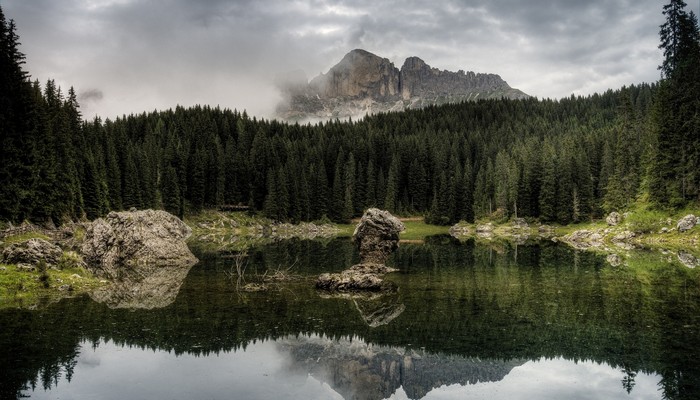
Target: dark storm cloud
156, 54
90, 95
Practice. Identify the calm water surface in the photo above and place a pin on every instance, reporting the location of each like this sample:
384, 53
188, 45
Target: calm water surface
468, 320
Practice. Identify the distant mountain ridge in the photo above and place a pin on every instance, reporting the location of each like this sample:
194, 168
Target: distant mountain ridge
363, 83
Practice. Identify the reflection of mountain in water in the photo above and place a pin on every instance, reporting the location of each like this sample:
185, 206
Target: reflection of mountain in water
358, 370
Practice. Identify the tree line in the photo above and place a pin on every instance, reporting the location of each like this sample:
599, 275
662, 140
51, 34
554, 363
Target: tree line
563, 161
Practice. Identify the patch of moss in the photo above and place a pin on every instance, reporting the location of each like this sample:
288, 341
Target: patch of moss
24, 237
22, 287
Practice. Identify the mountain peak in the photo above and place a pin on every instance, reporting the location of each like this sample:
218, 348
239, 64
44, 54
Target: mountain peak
365, 83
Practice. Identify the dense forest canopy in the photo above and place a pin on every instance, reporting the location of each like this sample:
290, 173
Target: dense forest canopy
560, 161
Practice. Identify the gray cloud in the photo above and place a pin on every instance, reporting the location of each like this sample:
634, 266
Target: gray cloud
90, 95
157, 54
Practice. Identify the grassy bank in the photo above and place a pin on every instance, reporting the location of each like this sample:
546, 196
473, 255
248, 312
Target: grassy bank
24, 288
31, 286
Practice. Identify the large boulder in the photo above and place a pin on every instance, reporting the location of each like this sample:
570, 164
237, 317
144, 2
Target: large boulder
686, 223
136, 242
377, 236
32, 251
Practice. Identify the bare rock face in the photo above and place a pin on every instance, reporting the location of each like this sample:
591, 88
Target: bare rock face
359, 74
32, 252
364, 83
376, 237
136, 240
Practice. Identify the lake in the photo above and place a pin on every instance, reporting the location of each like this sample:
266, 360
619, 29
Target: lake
484, 320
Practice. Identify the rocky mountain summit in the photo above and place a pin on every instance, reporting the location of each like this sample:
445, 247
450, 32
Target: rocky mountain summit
364, 83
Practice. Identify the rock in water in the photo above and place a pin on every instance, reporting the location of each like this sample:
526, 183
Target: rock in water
32, 252
136, 241
377, 236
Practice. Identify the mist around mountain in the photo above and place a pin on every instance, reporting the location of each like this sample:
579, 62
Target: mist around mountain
364, 83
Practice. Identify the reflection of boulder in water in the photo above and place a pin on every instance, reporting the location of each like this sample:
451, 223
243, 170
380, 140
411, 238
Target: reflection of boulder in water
147, 288
144, 254
375, 308
358, 370
379, 311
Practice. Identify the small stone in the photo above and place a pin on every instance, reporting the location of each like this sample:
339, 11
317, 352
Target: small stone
688, 259
686, 223
623, 236
614, 218
614, 260
26, 267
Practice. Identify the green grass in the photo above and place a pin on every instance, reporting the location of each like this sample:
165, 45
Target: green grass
24, 237
20, 288
418, 230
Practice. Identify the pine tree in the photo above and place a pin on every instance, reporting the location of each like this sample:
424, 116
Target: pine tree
16, 127
548, 188
170, 190
392, 186
675, 179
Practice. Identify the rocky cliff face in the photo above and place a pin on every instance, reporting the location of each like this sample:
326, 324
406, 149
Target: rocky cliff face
364, 83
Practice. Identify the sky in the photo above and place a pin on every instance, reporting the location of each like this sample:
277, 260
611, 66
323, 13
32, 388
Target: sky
131, 56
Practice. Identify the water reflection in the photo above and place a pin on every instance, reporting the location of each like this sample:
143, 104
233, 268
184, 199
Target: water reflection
471, 318
314, 367
156, 289
375, 308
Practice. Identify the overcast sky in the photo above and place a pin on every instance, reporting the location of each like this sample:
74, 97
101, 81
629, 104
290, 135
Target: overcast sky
129, 56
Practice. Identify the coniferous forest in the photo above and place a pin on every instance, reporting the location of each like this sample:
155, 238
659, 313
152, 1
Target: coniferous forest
564, 161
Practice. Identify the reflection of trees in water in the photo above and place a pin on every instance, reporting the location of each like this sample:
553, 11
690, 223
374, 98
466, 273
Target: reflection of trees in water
460, 299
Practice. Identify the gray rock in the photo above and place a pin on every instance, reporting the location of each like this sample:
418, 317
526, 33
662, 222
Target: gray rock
579, 236
348, 281
614, 218
136, 242
364, 83
377, 236
484, 228
595, 237
623, 236
32, 252
686, 223
583, 239
520, 223
614, 260
688, 259
459, 230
